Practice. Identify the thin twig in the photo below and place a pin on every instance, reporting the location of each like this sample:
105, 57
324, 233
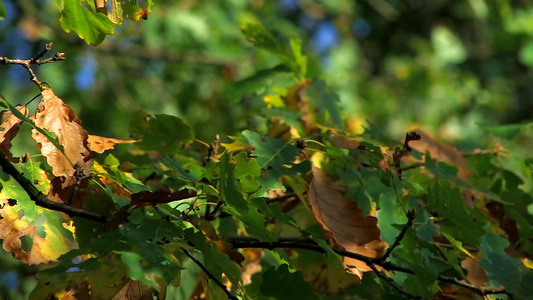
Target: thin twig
413, 166
280, 198
392, 283
220, 284
40, 199
410, 218
34, 61
482, 291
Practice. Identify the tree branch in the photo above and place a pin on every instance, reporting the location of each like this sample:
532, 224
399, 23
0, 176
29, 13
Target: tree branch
40, 199
220, 284
410, 218
309, 244
34, 61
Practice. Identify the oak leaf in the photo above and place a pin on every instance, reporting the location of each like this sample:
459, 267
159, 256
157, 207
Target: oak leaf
344, 222
9, 127
100, 144
54, 116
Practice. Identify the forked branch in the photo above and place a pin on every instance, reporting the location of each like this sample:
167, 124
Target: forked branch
37, 60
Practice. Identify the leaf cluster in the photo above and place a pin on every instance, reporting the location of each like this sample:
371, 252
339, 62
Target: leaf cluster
295, 206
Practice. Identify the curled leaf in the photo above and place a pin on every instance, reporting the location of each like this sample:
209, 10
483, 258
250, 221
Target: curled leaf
9, 127
344, 222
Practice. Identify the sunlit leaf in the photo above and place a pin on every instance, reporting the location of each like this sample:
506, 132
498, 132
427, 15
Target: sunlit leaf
100, 144
90, 26
55, 116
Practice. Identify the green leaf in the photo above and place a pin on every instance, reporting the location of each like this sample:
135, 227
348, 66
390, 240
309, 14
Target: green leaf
90, 26
508, 131
256, 34
447, 202
504, 270
300, 60
136, 270
276, 158
2, 11
283, 285
324, 103
215, 261
258, 82
155, 243
178, 169
237, 204
162, 132
246, 172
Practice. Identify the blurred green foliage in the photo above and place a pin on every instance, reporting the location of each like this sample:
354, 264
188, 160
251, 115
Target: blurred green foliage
442, 66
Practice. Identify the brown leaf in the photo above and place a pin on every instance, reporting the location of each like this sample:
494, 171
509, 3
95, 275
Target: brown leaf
62, 189
55, 116
344, 222
345, 142
476, 275
441, 152
9, 126
135, 290
100, 144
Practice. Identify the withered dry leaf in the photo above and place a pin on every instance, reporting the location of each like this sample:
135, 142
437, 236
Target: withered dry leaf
476, 275
344, 222
9, 127
100, 144
345, 142
55, 116
135, 290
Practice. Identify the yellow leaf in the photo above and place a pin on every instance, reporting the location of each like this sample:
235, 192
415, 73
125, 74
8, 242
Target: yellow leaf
100, 144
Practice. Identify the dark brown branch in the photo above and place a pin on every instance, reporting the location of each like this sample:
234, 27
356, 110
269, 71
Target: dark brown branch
410, 218
309, 244
34, 61
220, 284
40, 199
